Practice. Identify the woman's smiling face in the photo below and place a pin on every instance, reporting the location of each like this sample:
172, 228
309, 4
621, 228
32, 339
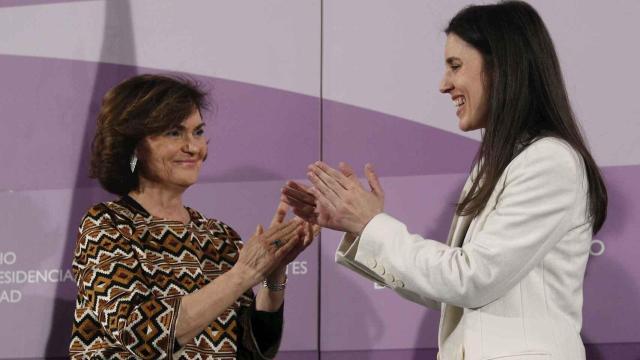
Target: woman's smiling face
465, 80
174, 158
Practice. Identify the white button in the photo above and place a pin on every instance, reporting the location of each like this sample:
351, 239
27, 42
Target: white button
398, 283
389, 279
372, 263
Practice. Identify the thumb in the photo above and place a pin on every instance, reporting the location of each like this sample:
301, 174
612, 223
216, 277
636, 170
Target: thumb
373, 180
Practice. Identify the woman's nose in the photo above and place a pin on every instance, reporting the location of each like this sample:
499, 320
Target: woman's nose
188, 148
445, 85
189, 145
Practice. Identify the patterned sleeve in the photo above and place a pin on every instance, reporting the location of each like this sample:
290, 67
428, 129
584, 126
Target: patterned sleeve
260, 332
112, 286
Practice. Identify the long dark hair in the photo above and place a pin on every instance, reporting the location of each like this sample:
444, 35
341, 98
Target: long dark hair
528, 97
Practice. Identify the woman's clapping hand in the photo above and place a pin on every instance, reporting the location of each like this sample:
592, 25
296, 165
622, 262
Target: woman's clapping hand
336, 200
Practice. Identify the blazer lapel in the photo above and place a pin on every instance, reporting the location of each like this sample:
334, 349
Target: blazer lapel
460, 231
457, 232
459, 224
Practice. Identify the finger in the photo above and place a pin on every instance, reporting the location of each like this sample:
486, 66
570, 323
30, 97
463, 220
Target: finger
308, 234
300, 241
336, 175
280, 214
297, 201
374, 182
309, 231
298, 205
303, 245
312, 217
347, 171
298, 186
301, 195
290, 245
323, 204
337, 182
321, 191
326, 185
314, 230
276, 228
299, 231
282, 230
281, 240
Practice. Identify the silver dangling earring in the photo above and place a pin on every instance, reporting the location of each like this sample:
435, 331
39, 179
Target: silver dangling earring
133, 162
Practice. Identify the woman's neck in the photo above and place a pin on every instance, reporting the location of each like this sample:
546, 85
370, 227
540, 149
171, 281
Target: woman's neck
161, 201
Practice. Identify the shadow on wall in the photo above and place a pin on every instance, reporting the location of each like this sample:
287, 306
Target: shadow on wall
118, 43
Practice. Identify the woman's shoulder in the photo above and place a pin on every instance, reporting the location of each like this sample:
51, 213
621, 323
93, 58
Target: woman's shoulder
549, 158
107, 213
552, 150
97, 213
551, 143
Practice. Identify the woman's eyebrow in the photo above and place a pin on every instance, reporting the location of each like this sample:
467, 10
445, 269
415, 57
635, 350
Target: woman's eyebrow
450, 60
181, 127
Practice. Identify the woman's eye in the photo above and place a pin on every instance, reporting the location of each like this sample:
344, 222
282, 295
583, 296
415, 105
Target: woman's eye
455, 67
173, 133
199, 132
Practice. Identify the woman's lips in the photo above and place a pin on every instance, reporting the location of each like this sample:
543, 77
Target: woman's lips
187, 162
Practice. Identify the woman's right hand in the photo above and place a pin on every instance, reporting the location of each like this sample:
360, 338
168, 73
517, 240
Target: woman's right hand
267, 249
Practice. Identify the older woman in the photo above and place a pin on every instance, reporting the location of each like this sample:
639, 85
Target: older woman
157, 279
509, 279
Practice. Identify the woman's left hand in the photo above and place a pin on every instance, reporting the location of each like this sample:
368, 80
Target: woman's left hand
342, 203
311, 231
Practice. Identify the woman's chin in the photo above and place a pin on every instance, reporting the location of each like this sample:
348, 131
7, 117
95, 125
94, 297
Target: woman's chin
185, 182
462, 125
467, 126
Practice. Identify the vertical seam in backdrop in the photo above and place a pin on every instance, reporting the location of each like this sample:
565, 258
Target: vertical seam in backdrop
319, 310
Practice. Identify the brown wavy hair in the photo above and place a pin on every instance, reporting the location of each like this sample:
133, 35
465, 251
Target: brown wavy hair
138, 107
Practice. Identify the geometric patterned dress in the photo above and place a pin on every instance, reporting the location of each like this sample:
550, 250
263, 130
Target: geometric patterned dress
132, 269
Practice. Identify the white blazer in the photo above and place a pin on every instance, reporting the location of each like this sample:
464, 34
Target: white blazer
509, 281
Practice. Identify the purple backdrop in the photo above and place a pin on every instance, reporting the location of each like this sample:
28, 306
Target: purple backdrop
261, 136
